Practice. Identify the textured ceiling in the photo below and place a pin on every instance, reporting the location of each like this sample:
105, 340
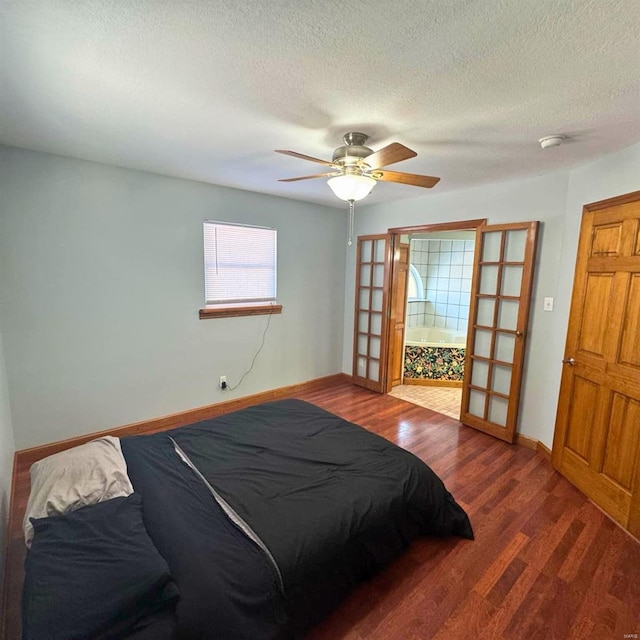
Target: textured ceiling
207, 89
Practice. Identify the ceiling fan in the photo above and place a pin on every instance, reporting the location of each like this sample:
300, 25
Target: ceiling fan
355, 169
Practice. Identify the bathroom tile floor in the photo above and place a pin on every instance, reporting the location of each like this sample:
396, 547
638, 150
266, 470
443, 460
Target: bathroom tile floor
445, 400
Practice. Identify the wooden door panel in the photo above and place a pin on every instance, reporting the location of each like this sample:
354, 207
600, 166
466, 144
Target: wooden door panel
621, 447
629, 353
582, 416
615, 501
607, 239
398, 309
597, 439
597, 295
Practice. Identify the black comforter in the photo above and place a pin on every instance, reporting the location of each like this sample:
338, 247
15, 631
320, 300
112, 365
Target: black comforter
330, 502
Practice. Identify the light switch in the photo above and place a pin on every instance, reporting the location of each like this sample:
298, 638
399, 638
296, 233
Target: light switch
548, 304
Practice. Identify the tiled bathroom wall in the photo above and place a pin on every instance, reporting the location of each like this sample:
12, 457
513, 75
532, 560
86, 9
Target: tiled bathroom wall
446, 269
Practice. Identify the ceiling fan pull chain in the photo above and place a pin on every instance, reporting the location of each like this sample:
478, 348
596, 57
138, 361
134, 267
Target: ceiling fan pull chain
351, 217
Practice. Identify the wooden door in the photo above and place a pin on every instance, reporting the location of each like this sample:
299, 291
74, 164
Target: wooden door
498, 320
598, 422
370, 335
398, 312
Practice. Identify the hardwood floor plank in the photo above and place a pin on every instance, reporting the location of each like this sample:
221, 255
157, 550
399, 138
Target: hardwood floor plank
499, 566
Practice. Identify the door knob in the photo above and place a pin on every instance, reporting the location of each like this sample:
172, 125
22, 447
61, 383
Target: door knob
570, 361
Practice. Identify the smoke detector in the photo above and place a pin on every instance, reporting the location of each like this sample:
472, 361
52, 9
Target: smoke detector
552, 141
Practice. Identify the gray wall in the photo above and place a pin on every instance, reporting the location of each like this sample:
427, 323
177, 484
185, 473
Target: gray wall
554, 199
7, 449
101, 279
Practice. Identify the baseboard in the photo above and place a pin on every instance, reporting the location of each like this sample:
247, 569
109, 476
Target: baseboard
532, 443
29, 456
544, 450
423, 382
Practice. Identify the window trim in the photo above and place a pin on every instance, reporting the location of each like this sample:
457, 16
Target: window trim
240, 307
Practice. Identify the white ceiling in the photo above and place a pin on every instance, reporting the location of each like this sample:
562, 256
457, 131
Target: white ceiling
207, 89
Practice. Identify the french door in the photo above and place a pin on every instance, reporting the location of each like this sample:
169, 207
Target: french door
498, 320
370, 341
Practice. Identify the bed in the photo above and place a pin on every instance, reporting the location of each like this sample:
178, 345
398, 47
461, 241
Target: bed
267, 517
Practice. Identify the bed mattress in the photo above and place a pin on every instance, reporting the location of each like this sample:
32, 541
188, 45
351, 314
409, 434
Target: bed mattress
318, 504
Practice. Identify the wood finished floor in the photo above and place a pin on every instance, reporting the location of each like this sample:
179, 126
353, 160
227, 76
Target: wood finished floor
545, 564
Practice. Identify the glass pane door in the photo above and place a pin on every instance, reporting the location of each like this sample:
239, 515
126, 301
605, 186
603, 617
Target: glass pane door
370, 326
498, 320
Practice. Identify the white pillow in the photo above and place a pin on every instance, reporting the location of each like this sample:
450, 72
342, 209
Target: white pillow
84, 475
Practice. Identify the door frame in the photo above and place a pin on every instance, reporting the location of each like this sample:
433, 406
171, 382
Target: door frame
395, 234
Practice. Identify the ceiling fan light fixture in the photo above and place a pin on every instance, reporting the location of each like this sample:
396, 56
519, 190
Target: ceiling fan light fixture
351, 187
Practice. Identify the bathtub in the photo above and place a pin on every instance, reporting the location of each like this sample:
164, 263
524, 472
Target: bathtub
434, 356
433, 337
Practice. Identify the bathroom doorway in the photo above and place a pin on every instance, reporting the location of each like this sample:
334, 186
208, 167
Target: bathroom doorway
501, 290
436, 298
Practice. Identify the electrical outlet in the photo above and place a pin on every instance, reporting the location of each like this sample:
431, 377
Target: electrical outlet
223, 382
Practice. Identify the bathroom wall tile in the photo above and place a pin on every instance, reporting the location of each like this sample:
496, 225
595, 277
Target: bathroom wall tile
463, 325
453, 310
457, 257
429, 319
467, 271
457, 245
432, 245
453, 297
442, 284
463, 314
451, 323
440, 322
456, 271
467, 258
441, 309
470, 245
444, 271
466, 285
445, 257
434, 258
455, 284
445, 245
442, 296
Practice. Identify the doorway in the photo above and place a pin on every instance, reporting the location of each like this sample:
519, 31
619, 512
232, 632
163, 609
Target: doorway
436, 298
498, 318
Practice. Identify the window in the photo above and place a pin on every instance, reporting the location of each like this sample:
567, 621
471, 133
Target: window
415, 290
239, 270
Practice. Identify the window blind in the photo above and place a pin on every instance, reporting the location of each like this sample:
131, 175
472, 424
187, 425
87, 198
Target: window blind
239, 263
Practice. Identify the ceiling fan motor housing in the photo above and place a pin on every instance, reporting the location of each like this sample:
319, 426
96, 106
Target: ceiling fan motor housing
353, 150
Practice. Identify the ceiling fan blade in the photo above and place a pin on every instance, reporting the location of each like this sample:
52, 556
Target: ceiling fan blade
406, 178
295, 154
317, 175
394, 152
